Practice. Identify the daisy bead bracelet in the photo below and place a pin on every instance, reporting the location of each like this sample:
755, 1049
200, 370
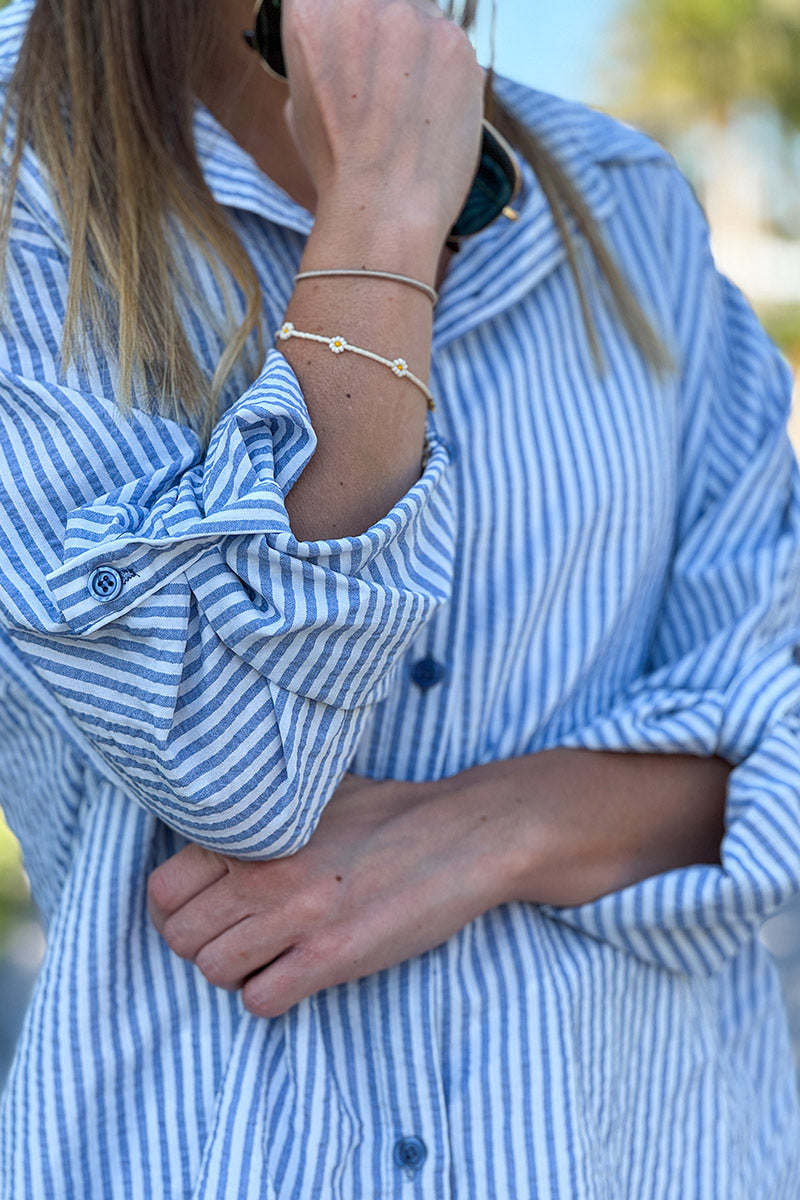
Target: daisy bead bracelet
339, 344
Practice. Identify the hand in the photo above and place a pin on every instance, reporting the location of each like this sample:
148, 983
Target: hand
386, 876
395, 869
385, 105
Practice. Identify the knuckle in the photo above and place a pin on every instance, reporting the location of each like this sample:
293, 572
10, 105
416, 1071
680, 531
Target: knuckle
256, 1003
244, 880
310, 908
159, 890
403, 20
312, 952
452, 38
329, 949
215, 970
176, 938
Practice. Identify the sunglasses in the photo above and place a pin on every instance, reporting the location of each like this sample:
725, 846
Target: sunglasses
497, 180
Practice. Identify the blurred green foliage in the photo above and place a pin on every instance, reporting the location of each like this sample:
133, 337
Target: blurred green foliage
686, 59
711, 65
782, 323
14, 898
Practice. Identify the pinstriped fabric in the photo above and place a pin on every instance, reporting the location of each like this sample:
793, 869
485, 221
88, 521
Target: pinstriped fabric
601, 560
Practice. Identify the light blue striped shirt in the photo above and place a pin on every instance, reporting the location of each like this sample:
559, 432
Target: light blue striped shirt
603, 560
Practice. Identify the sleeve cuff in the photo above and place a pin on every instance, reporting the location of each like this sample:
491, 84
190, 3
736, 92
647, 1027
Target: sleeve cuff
694, 919
224, 524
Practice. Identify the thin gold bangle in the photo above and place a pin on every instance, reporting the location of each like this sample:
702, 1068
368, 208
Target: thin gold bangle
339, 272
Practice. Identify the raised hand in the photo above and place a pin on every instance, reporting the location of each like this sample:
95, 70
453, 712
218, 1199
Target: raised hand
386, 103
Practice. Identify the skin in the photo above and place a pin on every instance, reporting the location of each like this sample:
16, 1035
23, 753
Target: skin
385, 181
395, 868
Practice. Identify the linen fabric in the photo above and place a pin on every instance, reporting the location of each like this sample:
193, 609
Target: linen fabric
603, 560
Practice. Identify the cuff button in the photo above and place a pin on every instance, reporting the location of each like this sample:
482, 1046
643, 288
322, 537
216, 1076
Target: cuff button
105, 584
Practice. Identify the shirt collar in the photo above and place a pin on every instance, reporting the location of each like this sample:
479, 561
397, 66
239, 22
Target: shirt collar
505, 262
236, 180
494, 269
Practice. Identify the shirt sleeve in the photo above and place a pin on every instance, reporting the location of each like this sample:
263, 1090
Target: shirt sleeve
724, 671
221, 669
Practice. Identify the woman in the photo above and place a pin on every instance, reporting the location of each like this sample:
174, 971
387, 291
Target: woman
452, 889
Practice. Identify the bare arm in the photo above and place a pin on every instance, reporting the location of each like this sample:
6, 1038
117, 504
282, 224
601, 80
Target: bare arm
394, 869
580, 823
390, 145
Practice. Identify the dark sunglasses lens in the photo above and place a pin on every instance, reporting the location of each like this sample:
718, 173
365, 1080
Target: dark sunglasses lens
268, 36
492, 189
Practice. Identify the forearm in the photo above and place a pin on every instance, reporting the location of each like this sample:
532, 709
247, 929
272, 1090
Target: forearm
564, 827
390, 147
396, 868
370, 425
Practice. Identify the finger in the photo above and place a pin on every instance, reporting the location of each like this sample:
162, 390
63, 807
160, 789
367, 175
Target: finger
251, 946
303, 969
205, 917
272, 991
181, 877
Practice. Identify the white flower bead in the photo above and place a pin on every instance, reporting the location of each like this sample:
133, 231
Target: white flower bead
400, 367
338, 345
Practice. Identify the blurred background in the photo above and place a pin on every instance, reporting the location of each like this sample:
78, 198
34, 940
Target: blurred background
716, 81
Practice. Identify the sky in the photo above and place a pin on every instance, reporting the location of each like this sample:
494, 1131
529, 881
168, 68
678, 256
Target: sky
550, 44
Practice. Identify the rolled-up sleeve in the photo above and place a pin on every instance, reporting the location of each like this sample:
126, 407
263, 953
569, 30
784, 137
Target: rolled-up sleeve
221, 669
724, 671
323, 619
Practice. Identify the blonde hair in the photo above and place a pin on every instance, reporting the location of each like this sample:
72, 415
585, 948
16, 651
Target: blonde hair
104, 91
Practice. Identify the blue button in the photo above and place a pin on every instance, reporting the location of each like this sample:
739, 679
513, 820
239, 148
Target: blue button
410, 1153
105, 584
427, 673
796, 655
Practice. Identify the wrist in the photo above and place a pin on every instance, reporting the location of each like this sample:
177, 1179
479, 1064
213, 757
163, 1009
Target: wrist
348, 234
536, 846
571, 825
490, 823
